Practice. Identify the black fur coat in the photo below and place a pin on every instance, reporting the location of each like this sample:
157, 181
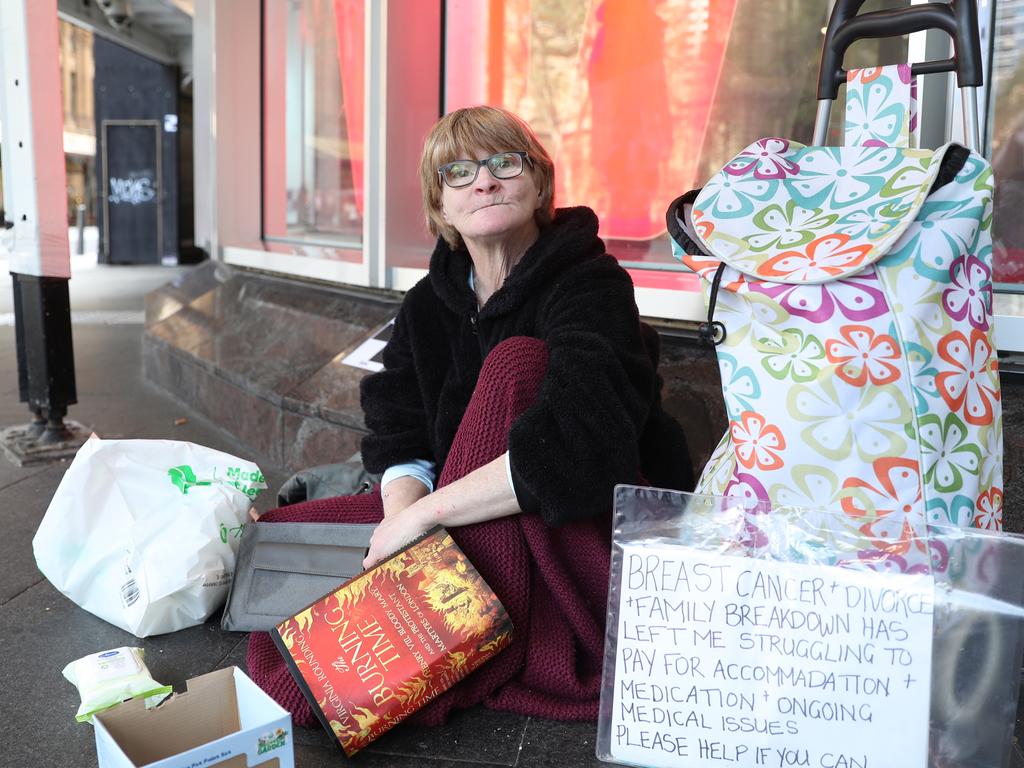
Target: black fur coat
598, 418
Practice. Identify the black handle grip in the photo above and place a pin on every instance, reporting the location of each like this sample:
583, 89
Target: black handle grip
958, 18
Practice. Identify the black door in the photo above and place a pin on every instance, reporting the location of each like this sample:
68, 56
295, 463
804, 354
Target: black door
132, 206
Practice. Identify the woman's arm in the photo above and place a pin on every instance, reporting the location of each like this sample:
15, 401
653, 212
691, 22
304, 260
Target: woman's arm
483, 494
400, 493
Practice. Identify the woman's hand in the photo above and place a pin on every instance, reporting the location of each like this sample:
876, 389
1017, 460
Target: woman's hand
397, 529
483, 494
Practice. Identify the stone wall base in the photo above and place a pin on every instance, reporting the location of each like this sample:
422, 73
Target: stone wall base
261, 357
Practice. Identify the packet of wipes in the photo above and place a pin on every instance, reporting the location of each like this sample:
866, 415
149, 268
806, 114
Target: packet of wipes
107, 678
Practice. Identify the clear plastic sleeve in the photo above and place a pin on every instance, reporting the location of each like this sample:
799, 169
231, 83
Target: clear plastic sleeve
742, 634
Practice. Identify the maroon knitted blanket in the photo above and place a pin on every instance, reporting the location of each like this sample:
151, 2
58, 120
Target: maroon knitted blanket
552, 581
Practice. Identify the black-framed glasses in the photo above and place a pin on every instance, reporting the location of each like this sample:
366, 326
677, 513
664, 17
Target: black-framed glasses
503, 165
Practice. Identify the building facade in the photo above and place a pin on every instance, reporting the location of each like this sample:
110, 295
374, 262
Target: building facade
310, 117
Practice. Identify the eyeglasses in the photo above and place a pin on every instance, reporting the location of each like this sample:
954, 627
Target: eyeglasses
504, 165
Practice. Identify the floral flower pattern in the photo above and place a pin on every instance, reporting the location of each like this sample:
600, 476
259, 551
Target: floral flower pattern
847, 421
861, 356
766, 159
991, 472
909, 179
792, 356
972, 384
889, 504
858, 369
877, 115
739, 385
871, 222
731, 197
718, 472
839, 177
943, 230
747, 314
922, 375
787, 226
747, 487
857, 297
863, 75
958, 511
757, 442
917, 302
990, 510
703, 227
813, 486
969, 295
824, 258
947, 452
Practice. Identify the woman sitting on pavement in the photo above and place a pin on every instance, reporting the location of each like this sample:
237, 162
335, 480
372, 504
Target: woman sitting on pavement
519, 376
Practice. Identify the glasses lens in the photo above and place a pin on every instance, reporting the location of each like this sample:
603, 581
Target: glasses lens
460, 173
505, 165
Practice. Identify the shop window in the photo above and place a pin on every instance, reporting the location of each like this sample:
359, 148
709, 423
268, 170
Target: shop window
77, 65
1008, 143
642, 100
313, 121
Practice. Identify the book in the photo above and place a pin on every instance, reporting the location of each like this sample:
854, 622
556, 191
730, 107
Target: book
389, 640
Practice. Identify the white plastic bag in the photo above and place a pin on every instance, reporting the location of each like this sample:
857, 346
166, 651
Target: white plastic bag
143, 533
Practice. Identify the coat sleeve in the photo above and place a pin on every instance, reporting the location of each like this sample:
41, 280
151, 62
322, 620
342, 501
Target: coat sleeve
393, 405
582, 436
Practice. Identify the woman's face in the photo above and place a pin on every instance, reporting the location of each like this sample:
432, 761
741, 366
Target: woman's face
492, 210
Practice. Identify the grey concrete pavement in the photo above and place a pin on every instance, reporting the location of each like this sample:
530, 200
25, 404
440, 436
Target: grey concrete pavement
41, 630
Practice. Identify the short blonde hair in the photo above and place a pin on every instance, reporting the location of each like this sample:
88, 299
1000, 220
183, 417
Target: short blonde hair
491, 129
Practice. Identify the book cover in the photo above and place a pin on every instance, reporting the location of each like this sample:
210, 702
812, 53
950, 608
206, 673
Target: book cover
389, 640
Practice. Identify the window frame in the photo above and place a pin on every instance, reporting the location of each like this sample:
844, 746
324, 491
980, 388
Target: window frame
390, 144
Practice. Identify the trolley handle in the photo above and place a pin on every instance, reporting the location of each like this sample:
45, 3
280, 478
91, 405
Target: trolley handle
958, 18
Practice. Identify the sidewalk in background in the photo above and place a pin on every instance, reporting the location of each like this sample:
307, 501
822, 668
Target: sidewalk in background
41, 631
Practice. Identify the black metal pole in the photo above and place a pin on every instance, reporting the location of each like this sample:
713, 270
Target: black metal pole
46, 365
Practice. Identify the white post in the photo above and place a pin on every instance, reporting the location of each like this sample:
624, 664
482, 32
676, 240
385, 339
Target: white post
35, 197
33, 138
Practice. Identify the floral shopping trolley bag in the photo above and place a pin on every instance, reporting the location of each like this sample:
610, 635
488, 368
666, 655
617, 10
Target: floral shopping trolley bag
850, 299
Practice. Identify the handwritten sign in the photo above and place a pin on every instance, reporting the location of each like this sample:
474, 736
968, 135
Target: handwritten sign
728, 661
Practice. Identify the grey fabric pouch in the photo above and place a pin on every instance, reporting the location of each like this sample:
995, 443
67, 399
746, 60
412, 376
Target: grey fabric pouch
283, 567
347, 478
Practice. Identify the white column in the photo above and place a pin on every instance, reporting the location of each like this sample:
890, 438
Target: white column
32, 141
228, 164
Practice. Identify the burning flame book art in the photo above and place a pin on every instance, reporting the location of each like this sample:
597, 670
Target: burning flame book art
389, 640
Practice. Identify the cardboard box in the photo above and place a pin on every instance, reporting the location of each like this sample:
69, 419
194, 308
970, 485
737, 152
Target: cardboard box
223, 720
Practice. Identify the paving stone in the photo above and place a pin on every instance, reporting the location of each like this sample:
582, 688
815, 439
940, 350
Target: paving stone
307, 756
1016, 756
40, 632
11, 473
22, 505
480, 734
558, 745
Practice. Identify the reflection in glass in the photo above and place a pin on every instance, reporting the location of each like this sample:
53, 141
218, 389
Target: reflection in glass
77, 71
641, 100
1008, 141
314, 105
